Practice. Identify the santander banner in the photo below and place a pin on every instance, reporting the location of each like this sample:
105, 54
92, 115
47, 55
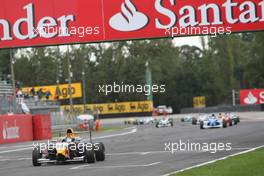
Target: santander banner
15, 128
51, 22
252, 96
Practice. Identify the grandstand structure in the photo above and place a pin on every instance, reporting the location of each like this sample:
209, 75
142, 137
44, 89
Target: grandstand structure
7, 101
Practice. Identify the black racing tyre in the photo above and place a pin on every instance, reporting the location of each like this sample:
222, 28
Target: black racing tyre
235, 121
157, 125
202, 125
224, 124
231, 123
182, 119
194, 121
72, 152
100, 152
171, 124
36, 154
89, 156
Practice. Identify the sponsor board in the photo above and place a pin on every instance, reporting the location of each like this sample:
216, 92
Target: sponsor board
15, 128
113, 108
52, 22
62, 91
199, 102
251, 96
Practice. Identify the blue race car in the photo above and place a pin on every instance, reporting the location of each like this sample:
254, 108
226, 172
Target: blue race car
213, 122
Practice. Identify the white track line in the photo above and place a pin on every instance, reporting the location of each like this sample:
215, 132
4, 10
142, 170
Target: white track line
15, 159
15, 150
113, 167
15, 146
213, 161
134, 130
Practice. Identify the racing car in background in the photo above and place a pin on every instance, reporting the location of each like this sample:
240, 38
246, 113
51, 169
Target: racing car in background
197, 120
187, 118
145, 121
163, 109
213, 121
139, 121
68, 149
235, 118
164, 122
131, 121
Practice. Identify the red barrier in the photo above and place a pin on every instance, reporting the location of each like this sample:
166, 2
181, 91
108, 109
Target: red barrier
15, 128
42, 127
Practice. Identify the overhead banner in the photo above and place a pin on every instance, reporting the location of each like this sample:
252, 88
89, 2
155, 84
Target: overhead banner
251, 96
113, 108
56, 92
52, 22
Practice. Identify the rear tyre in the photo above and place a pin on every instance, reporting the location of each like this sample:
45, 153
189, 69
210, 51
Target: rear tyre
36, 154
194, 121
89, 156
224, 124
157, 125
100, 152
202, 125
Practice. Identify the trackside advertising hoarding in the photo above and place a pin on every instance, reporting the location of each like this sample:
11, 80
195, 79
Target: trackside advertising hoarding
51, 22
251, 96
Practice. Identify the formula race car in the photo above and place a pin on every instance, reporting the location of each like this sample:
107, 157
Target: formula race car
164, 122
145, 121
226, 119
68, 149
187, 118
131, 121
139, 121
235, 118
201, 117
213, 122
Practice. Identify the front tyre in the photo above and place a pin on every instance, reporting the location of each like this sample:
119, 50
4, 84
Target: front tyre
36, 154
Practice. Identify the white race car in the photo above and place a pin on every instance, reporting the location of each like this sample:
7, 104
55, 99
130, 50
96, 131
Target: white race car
187, 118
144, 121
199, 119
164, 122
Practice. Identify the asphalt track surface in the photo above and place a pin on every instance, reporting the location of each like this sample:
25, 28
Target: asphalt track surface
141, 152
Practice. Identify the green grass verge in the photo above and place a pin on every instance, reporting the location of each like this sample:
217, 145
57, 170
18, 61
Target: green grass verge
248, 164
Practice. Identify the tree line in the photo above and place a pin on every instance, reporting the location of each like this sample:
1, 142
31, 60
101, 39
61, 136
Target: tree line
223, 63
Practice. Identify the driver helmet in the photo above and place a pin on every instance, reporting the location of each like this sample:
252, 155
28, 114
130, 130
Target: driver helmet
69, 133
